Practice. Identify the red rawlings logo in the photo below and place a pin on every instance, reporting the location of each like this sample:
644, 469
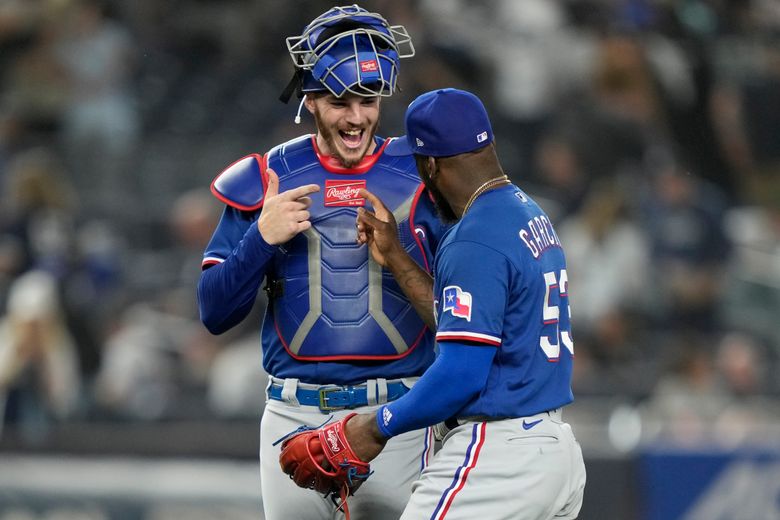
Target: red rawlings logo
344, 193
368, 66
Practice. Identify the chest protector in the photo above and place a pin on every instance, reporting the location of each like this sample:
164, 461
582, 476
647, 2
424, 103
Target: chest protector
332, 301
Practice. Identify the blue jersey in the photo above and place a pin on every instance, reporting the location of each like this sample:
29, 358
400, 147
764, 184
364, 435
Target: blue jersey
500, 280
334, 316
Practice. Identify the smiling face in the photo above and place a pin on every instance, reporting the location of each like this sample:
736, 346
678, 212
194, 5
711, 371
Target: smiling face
345, 125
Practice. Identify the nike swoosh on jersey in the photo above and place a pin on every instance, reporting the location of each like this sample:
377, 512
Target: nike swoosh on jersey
529, 425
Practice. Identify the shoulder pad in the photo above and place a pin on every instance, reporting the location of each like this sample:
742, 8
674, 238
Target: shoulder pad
397, 147
303, 142
242, 184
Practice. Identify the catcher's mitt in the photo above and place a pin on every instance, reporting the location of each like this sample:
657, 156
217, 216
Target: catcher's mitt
322, 459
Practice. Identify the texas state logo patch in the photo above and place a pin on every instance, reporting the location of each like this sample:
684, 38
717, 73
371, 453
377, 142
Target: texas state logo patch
457, 301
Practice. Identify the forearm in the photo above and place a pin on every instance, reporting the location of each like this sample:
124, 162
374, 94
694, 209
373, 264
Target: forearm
227, 291
458, 374
416, 284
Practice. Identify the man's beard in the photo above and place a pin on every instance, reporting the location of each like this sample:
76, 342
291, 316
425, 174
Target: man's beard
330, 135
443, 208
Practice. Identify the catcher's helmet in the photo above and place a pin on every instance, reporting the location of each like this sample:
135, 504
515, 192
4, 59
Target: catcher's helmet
348, 49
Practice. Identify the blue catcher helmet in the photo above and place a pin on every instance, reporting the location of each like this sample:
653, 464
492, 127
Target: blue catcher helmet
348, 49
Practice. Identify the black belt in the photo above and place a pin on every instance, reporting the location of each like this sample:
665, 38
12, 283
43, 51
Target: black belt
329, 398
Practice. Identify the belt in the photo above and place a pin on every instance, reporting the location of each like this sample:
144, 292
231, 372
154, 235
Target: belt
328, 398
453, 422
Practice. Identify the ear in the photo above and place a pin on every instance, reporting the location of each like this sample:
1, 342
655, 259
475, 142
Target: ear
310, 103
432, 167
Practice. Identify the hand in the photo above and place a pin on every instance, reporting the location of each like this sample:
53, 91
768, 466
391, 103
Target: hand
323, 459
378, 229
284, 214
364, 436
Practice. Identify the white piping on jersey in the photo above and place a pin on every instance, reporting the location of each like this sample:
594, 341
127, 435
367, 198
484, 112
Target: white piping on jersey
208, 259
475, 335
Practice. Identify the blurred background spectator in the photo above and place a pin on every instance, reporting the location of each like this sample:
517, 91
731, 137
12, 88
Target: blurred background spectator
40, 380
100, 123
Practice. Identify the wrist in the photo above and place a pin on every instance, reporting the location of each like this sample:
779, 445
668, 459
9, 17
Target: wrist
397, 259
367, 423
364, 436
264, 245
381, 423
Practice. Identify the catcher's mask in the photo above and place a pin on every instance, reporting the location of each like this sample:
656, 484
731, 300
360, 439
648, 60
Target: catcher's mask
347, 49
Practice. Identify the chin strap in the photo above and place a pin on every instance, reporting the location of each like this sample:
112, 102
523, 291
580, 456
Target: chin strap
293, 87
300, 107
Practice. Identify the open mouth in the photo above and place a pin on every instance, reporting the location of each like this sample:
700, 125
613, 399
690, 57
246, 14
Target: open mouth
351, 138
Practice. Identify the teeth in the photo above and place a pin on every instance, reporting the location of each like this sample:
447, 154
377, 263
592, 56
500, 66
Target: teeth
352, 132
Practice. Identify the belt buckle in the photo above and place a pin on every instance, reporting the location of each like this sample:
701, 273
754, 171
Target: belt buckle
324, 406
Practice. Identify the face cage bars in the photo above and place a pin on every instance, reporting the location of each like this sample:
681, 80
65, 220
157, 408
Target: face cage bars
305, 59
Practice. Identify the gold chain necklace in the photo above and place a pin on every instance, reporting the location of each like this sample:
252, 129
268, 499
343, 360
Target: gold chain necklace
492, 183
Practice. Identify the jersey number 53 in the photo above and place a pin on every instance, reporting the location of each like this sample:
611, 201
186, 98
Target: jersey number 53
556, 325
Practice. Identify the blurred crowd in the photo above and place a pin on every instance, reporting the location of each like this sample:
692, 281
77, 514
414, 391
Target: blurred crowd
648, 130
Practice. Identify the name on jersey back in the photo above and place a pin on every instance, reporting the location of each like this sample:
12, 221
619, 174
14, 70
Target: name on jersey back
539, 236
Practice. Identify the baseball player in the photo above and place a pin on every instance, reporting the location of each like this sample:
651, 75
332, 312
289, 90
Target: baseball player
500, 298
338, 333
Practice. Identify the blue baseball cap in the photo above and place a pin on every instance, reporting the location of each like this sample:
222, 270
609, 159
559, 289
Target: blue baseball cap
444, 122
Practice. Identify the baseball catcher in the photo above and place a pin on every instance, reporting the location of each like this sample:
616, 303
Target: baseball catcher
339, 334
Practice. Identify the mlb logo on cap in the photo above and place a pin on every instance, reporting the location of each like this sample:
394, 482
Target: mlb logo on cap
442, 123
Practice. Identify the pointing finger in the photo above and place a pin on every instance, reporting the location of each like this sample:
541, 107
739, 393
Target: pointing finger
375, 201
365, 217
301, 191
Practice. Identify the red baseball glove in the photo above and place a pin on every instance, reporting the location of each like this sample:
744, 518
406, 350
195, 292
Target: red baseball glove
322, 459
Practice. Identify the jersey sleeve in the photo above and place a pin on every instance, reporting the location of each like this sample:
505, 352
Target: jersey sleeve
472, 284
434, 398
234, 265
229, 232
